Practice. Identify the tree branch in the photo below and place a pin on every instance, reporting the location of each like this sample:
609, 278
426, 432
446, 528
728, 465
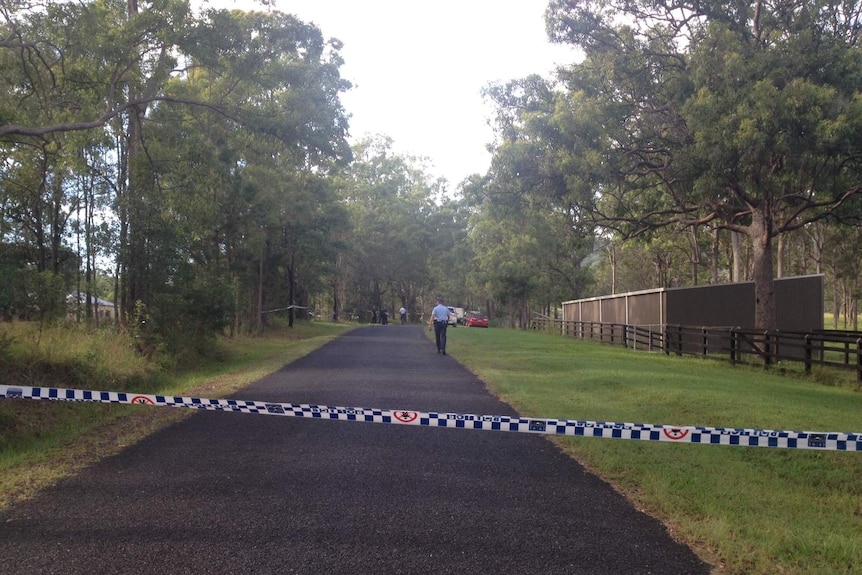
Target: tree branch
41, 131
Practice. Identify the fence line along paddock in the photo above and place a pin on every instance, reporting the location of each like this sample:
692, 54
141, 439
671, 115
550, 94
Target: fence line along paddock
839, 349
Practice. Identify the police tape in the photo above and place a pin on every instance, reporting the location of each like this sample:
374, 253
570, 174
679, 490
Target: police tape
819, 440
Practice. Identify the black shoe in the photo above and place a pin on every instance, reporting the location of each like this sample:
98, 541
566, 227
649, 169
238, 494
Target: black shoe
443, 352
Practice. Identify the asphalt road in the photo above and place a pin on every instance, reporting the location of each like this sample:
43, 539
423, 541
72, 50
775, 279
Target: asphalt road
241, 493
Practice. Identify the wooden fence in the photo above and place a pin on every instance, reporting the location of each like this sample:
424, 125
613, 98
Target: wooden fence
839, 349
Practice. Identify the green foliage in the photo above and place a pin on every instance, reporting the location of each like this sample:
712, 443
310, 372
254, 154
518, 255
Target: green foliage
220, 194
48, 294
26, 293
400, 238
186, 318
529, 236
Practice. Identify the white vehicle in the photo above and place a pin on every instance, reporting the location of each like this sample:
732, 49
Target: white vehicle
453, 317
457, 316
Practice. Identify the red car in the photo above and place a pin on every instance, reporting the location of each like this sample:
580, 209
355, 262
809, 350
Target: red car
476, 319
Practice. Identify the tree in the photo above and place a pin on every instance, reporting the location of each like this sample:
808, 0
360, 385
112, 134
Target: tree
528, 233
216, 136
394, 227
526, 191
744, 116
251, 200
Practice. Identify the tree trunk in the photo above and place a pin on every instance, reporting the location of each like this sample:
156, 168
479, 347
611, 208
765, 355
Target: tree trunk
815, 235
760, 233
137, 258
836, 304
236, 324
58, 221
259, 314
854, 309
713, 264
291, 292
131, 236
695, 254
736, 257
336, 306
612, 256
779, 256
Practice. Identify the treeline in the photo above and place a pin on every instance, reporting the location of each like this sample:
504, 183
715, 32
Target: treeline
193, 168
186, 156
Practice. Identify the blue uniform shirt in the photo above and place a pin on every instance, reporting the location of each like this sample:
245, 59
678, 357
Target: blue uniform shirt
440, 312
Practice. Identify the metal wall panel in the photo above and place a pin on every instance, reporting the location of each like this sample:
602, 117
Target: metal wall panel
799, 303
714, 305
646, 309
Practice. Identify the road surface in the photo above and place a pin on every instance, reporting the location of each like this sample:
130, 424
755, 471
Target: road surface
221, 493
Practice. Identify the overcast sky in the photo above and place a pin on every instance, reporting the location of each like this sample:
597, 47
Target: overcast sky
418, 68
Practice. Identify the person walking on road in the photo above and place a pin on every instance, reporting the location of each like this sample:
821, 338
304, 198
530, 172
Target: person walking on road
403, 313
440, 321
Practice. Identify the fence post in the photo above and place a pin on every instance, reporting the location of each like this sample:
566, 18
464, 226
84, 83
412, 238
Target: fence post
859, 360
705, 341
679, 340
767, 350
733, 345
807, 353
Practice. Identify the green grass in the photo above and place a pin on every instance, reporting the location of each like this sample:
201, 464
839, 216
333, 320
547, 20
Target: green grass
844, 322
746, 510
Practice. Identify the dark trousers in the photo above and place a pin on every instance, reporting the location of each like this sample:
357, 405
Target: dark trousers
440, 334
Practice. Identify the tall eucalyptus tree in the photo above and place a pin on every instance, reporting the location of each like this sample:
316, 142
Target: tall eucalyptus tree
742, 115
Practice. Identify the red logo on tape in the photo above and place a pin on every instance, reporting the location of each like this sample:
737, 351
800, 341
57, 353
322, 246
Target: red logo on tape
675, 434
142, 400
405, 416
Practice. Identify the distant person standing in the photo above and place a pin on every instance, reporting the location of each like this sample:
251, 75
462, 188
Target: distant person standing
440, 321
403, 313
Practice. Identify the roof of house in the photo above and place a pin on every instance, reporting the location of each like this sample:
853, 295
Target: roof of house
81, 298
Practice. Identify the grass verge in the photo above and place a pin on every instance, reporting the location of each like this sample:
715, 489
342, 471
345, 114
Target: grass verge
745, 510
42, 442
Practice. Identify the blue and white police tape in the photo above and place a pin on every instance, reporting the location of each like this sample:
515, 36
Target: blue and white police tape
820, 440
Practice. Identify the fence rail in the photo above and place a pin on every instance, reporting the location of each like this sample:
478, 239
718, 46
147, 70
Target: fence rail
839, 349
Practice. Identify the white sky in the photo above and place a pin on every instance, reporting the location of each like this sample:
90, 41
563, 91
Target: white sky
418, 68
